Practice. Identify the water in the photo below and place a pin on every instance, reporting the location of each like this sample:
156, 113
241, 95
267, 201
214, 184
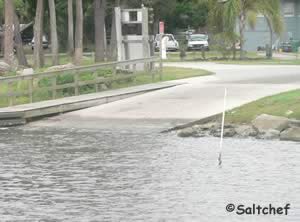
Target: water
138, 174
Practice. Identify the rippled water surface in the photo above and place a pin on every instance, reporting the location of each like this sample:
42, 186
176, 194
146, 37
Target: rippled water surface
49, 174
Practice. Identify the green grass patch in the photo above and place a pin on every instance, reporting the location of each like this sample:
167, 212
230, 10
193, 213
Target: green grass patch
42, 87
209, 56
284, 104
169, 73
213, 56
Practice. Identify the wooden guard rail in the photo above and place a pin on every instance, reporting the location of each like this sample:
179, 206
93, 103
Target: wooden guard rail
31, 79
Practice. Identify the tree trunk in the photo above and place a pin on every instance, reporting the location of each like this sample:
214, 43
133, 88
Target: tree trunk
113, 38
70, 28
19, 43
38, 54
78, 33
9, 32
53, 29
270, 49
242, 27
99, 19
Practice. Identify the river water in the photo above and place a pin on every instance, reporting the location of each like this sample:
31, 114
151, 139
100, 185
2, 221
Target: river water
139, 174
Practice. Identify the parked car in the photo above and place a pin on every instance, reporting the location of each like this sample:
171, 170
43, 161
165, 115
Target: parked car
198, 42
45, 43
172, 44
286, 47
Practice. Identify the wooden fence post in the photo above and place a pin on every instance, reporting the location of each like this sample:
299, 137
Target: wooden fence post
30, 89
76, 83
10, 93
95, 74
160, 69
54, 83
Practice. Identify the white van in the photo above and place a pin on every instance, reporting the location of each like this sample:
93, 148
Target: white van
198, 42
172, 44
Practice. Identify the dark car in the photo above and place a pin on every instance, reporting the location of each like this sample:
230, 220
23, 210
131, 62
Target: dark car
286, 47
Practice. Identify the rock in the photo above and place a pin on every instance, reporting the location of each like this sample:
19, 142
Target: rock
188, 132
103, 87
229, 132
61, 67
291, 134
270, 135
246, 131
208, 126
264, 123
27, 71
4, 67
294, 122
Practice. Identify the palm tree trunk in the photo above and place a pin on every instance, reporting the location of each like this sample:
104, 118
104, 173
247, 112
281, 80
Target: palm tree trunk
9, 32
53, 28
78, 33
113, 38
38, 54
99, 19
242, 27
70, 28
270, 49
19, 43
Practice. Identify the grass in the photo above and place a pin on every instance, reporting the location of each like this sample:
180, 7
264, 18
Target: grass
284, 104
262, 61
41, 93
209, 55
252, 59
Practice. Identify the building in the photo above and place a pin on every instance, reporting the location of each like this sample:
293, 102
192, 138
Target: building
260, 35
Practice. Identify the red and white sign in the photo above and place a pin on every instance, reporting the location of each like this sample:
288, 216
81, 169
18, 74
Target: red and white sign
161, 28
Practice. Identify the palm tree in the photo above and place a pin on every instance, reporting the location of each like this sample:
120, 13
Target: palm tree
70, 28
99, 20
9, 32
38, 35
19, 43
53, 29
247, 10
271, 12
78, 33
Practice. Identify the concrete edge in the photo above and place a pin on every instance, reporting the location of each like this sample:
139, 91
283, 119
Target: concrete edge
21, 117
197, 122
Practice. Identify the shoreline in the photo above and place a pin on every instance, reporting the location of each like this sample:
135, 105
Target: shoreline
263, 127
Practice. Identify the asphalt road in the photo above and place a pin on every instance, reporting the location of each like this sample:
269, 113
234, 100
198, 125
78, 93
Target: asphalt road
198, 98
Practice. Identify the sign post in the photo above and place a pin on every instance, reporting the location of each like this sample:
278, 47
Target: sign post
161, 28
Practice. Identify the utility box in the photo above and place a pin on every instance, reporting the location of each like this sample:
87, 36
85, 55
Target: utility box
132, 34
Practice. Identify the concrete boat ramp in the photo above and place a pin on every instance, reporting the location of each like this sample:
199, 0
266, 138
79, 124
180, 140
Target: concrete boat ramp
19, 115
192, 99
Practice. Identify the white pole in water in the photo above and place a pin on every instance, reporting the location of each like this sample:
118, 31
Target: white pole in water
222, 129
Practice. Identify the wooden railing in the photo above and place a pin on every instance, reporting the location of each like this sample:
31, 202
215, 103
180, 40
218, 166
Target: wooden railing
52, 82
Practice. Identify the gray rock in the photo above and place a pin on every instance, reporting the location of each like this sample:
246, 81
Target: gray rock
188, 132
61, 67
291, 134
270, 135
294, 122
103, 87
208, 126
4, 67
246, 131
229, 132
27, 71
264, 123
